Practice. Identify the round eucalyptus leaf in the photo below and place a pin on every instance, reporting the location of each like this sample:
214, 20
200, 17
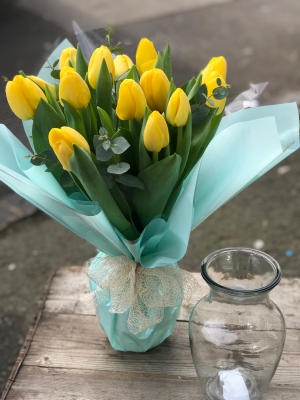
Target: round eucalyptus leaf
55, 73
119, 145
220, 93
103, 132
97, 141
106, 144
118, 169
102, 154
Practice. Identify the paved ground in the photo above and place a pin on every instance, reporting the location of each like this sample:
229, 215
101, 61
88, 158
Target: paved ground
260, 40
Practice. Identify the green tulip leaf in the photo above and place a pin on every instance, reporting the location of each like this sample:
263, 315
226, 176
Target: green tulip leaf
66, 180
108, 179
159, 62
187, 86
131, 181
54, 167
53, 102
186, 145
119, 145
159, 180
201, 94
81, 62
45, 119
167, 67
203, 133
195, 87
106, 122
102, 154
74, 119
104, 90
121, 201
86, 172
135, 130
133, 74
118, 169
55, 73
172, 89
199, 114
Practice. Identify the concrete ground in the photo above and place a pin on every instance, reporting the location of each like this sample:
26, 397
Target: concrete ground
259, 38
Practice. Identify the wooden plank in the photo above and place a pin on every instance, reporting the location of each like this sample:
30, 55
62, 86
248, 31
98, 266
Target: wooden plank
78, 384
71, 283
71, 359
62, 342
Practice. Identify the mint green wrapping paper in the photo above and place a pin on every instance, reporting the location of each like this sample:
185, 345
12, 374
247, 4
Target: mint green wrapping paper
248, 143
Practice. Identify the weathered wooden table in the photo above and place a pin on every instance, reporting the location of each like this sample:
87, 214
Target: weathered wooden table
67, 357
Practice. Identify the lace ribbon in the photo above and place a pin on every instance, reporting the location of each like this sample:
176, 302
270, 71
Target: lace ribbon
144, 291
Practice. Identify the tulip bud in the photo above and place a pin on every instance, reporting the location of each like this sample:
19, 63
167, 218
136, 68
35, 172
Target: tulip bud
122, 64
211, 84
42, 84
100, 54
68, 56
23, 97
131, 102
155, 85
217, 64
73, 89
146, 56
156, 133
178, 109
62, 140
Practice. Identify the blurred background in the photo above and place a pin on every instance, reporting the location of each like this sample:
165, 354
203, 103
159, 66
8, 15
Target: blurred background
261, 42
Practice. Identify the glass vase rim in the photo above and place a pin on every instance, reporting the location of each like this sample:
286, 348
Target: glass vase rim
242, 292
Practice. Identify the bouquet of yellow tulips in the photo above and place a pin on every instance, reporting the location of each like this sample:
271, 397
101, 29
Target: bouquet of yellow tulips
131, 163
121, 133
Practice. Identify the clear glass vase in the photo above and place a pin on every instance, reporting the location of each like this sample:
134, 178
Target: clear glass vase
236, 332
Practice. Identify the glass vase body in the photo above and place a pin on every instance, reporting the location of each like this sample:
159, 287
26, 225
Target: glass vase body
236, 332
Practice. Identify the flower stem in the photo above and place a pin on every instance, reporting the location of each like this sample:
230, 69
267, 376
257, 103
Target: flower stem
179, 139
155, 157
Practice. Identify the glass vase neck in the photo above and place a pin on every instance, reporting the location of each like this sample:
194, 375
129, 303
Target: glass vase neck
240, 273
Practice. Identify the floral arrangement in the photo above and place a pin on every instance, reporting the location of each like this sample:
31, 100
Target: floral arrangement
122, 134
132, 163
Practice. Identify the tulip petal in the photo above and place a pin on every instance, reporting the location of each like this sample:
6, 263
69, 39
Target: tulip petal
126, 106
146, 56
18, 102
140, 101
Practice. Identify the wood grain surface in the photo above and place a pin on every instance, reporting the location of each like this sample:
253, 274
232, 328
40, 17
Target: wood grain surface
70, 357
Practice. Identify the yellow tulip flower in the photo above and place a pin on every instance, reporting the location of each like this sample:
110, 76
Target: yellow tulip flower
100, 54
122, 64
62, 141
146, 56
42, 84
211, 84
216, 64
155, 85
156, 133
131, 102
23, 97
67, 55
73, 89
178, 109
